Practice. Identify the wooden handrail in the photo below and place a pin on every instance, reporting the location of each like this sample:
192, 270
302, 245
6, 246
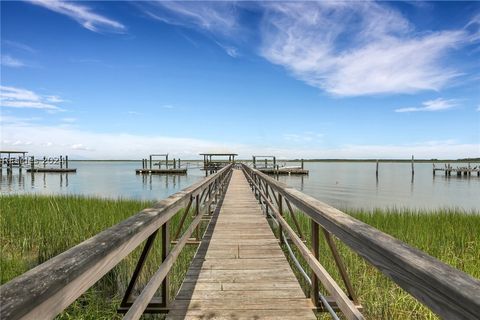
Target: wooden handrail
46, 290
345, 304
450, 293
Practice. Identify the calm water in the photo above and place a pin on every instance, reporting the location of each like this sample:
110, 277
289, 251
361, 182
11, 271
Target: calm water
341, 184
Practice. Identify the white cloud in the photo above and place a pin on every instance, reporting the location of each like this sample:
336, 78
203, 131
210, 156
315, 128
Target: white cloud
18, 45
54, 99
438, 104
356, 48
13, 97
168, 106
218, 16
69, 120
82, 14
9, 61
346, 48
230, 50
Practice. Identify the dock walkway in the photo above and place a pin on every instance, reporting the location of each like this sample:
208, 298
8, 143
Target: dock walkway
240, 271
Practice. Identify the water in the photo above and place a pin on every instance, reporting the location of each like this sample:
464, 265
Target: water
340, 184
354, 185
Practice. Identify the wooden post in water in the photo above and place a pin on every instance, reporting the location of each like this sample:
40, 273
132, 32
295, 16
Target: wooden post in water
66, 162
302, 164
61, 162
265, 163
274, 162
44, 162
376, 170
433, 164
179, 163
166, 162
32, 164
9, 165
19, 165
413, 169
254, 164
150, 162
174, 163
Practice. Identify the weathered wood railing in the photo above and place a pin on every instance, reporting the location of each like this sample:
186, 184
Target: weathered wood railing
448, 292
49, 288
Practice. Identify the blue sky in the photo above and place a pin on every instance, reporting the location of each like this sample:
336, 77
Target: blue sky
336, 79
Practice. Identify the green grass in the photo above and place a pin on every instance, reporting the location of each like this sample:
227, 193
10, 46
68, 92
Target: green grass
452, 236
36, 228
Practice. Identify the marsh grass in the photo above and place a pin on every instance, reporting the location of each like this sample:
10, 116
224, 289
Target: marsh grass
36, 228
452, 236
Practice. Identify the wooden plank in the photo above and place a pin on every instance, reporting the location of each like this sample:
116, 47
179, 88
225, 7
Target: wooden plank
285, 314
239, 270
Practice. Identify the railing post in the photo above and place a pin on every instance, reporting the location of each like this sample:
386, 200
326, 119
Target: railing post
280, 210
315, 248
258, 190
266, 199
197, 212
165, 251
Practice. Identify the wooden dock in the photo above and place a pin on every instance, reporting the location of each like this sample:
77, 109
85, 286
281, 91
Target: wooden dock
459, 172
161, 171
240, 271
53, 170
283, 171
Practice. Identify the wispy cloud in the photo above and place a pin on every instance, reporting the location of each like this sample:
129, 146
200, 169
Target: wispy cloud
216, 16
230, 50
438, 104
168, 106
9, 61
356, 48
219, 18
347, 48
82, 14
18, 45
21, 98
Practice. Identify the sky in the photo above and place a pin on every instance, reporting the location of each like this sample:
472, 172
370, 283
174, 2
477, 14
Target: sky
356, 79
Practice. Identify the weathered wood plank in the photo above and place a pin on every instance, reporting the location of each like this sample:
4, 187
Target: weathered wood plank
240, 271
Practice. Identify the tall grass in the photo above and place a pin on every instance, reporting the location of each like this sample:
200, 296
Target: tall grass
452, 236
36, 228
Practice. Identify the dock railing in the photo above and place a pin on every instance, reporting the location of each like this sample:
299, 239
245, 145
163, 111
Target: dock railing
448, 292
46, 290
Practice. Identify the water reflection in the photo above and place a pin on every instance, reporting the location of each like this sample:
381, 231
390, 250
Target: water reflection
168, 181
